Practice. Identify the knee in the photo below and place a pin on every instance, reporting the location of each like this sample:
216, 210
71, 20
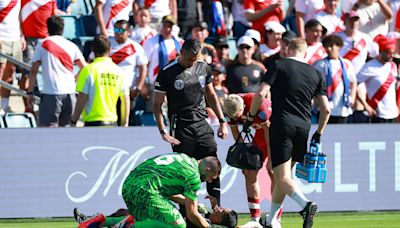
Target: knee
250, 175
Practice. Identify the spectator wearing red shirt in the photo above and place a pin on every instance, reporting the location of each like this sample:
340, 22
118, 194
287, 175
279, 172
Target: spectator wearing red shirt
259, 12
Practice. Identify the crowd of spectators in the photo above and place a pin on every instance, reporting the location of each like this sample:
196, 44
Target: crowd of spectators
354, 44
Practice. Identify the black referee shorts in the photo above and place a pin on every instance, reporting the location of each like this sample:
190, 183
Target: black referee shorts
287, 142
197, 139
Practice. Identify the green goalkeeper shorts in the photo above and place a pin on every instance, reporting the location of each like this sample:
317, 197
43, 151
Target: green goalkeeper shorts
144, 204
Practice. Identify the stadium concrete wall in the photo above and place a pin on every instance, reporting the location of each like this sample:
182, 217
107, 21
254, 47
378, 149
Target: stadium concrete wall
46, 172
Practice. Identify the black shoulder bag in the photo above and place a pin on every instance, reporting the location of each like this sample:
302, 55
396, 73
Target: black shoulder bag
245, 155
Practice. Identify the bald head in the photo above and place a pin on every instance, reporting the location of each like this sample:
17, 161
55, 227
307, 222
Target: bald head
209, 168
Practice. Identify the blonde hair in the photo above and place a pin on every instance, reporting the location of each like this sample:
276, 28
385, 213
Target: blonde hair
233, 104
298, 45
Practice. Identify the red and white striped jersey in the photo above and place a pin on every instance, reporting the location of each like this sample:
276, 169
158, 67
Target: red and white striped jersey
331, 22
357, 49
152, 48
140, 35
336, 102
57, 56
315, 52
9, 20
114, 10
378, 76
128, 56
34, 15
267, 51
157, 8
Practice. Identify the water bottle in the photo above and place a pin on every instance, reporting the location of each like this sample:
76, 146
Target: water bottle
322, 159
314, 150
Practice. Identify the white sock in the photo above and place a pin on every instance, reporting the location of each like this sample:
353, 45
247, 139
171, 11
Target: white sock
300, 199
5, 102
275, 207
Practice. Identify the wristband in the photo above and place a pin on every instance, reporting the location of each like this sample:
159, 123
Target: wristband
29, 93
222, 120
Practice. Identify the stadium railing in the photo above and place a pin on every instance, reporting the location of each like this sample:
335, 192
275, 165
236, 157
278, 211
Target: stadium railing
11, 87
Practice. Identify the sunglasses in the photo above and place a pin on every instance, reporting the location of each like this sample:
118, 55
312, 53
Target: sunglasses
223, 46
242, 47
119, 30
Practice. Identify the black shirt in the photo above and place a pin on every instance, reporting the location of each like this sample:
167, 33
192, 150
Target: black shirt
186, 10
269, 61
185, 89
242, 78
293, 85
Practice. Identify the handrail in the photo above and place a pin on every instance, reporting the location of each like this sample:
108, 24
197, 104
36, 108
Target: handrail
11, 87
16, 61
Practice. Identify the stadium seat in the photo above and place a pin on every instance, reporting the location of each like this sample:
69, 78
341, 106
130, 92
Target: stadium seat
71, 27
19, 120
88, 25
141, 118
148, 119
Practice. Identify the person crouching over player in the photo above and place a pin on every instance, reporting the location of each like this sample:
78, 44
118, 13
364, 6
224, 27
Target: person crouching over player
235, 106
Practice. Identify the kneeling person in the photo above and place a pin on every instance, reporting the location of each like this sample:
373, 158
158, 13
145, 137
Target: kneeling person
150, 186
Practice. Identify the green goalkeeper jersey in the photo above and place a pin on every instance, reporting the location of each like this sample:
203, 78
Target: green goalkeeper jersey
167, 175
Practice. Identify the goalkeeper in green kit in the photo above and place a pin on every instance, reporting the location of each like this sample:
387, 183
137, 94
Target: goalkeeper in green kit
150, 187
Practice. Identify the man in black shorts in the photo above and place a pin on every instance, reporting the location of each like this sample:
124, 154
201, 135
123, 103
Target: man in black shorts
293, 84
186, 82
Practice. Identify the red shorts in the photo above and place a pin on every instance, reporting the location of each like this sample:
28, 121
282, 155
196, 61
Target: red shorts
259, 138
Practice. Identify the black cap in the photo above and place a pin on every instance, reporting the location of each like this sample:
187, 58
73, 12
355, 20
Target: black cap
200, 24
314, 22
221, 41
288, 36
219, 68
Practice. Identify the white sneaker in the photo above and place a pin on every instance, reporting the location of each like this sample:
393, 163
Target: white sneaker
251, 224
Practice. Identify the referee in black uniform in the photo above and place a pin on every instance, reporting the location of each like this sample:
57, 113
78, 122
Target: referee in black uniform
186, 82
293, 84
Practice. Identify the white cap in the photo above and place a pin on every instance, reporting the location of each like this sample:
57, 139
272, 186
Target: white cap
245, 40
274, 26
253, 34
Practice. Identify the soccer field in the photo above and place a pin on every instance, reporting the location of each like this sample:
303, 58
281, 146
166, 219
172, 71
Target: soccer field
289, 220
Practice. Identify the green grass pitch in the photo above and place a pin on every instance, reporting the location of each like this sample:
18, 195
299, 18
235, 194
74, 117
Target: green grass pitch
289, 220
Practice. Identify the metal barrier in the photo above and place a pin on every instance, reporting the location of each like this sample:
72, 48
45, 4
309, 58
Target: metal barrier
11, 87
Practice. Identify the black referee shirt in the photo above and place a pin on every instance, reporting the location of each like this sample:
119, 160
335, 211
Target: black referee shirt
185, 89
293, 85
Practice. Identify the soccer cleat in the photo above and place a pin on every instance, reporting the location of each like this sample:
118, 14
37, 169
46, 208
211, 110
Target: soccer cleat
93, 222
128, 222
79, 216
251, 224
308, 214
